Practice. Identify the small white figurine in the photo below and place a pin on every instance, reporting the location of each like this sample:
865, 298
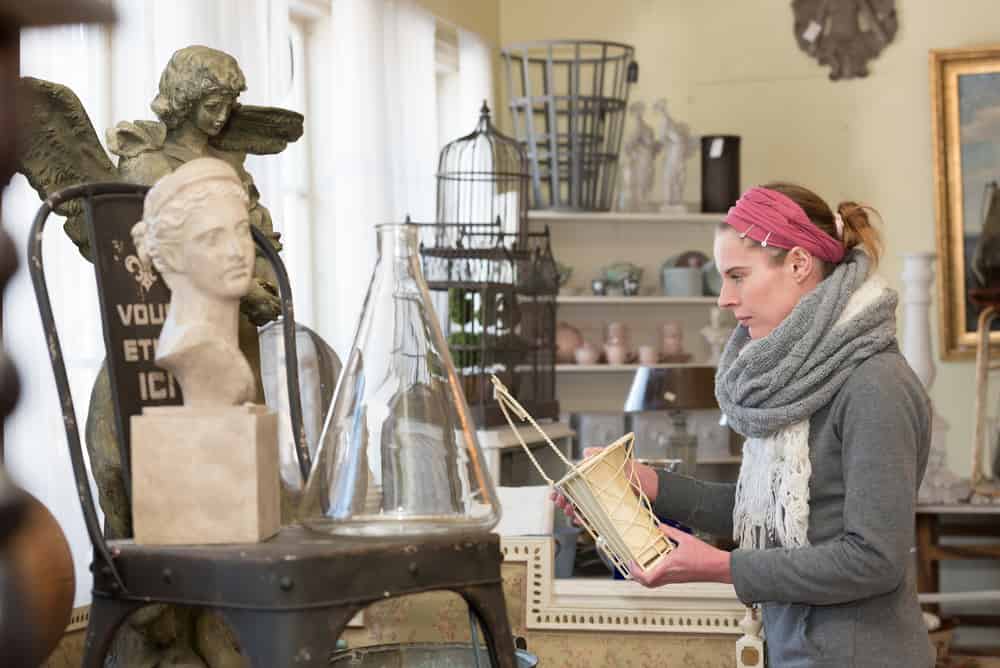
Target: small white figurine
678, 145
716, 335
638, 166
196, 232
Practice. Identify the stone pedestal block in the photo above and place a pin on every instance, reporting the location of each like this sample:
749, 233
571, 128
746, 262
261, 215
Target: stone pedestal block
204, 475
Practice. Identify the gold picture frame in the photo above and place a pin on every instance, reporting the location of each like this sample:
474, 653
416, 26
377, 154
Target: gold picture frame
965, 99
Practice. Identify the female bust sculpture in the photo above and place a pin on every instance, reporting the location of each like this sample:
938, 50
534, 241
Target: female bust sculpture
196, 232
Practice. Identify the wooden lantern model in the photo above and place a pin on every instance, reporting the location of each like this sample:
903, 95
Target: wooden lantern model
605, 494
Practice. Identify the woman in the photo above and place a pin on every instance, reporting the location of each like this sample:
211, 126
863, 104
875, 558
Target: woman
837, 428
196, 232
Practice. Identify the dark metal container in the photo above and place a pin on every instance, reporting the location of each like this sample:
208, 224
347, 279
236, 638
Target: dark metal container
720, 172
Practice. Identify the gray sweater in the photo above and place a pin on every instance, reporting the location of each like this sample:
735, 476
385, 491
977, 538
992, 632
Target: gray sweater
850, 597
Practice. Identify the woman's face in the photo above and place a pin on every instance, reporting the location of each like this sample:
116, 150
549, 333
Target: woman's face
211, 114
760, 293
218, 252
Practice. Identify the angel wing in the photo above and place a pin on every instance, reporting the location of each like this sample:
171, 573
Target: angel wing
58, 148
259, 130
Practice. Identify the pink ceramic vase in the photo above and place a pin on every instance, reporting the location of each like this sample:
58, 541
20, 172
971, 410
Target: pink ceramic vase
568, 339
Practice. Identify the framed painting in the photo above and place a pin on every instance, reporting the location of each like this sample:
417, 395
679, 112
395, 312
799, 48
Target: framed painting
965, 97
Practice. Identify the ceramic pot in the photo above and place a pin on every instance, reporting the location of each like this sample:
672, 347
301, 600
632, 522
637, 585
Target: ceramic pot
648, 355
630, 286
672, 338
568, 339
618, 333
682, 281
616, 353
587, 353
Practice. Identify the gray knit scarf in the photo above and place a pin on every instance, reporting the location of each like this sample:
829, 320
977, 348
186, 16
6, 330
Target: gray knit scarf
769, 388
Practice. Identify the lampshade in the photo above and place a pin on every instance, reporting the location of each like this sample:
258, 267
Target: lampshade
672, 388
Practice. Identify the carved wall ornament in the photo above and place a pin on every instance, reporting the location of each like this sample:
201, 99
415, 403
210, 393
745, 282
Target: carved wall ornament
844, 34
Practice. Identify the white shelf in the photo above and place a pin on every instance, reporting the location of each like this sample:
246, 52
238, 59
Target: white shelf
503, 437
639, 299
552, 216
623, 368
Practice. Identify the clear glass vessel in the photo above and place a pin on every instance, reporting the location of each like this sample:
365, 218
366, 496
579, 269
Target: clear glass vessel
318, 369
398, 454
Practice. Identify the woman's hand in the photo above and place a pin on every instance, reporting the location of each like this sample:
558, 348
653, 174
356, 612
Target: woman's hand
565, 505
692, 560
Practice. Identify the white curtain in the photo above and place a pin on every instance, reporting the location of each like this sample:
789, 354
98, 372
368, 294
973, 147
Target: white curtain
475, 74
382, 150
34, 438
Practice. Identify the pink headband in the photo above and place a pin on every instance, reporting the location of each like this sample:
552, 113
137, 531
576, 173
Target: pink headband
774, 219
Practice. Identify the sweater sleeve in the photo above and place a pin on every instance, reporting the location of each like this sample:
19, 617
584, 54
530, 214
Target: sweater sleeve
881, 426
706, 506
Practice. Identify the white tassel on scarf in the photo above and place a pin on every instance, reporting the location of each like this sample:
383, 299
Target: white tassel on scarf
772, 494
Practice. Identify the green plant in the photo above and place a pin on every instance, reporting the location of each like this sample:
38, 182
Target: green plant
466, 349
484, 319
461, 306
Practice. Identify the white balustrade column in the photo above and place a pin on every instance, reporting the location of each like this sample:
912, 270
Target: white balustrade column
918, 277
750, 646
939, 485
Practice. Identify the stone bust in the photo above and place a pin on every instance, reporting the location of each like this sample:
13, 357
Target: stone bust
196, 232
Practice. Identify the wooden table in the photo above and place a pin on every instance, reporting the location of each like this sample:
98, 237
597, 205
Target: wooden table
966, 521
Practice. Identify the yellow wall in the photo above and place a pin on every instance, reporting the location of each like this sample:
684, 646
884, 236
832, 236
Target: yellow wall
734, 67
479, 16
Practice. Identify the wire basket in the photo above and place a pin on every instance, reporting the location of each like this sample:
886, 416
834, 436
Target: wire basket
568, 101
605, 494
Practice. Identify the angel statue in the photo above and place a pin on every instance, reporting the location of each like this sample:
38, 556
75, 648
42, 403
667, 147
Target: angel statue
678, 145
637, 168
199, 116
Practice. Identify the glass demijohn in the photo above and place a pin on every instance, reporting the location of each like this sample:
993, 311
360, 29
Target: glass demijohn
398, 454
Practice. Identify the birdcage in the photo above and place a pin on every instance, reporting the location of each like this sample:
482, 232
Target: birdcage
568, 100
482, 178
497, 305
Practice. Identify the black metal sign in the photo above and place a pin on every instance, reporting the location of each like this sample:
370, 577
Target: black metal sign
134, 301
